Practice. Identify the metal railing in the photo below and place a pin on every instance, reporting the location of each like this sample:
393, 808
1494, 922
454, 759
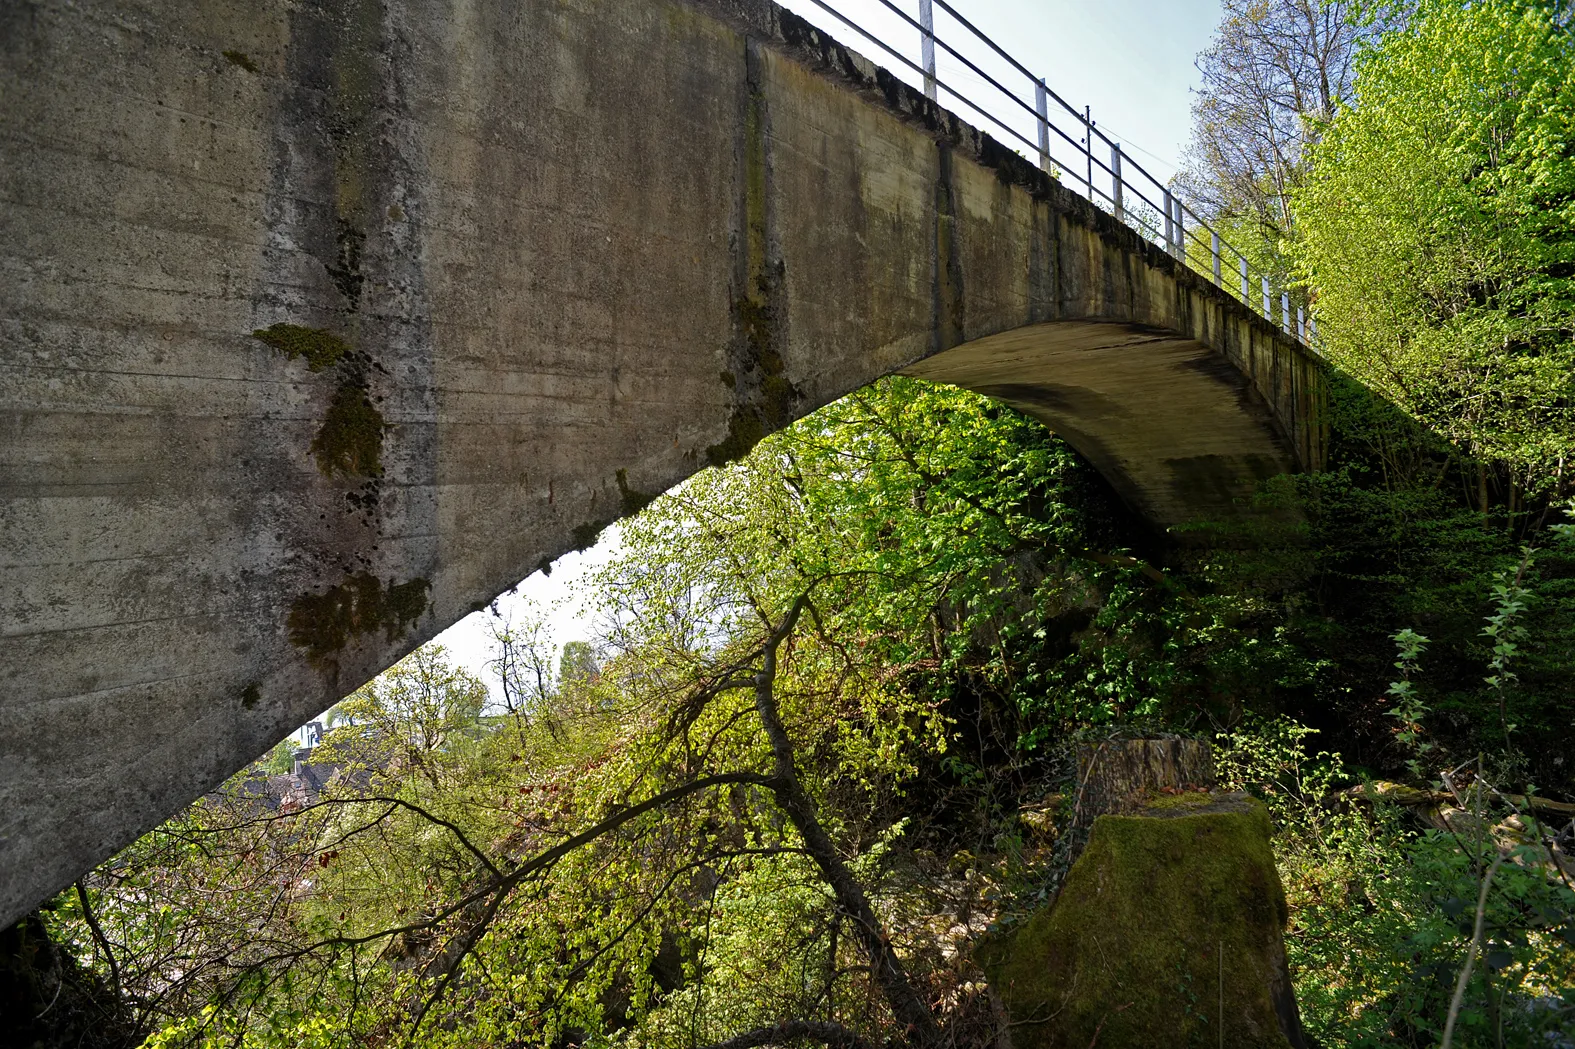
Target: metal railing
1111, 179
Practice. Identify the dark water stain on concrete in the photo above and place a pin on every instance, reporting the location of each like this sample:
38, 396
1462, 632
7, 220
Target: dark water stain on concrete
350, 442
321, 348
325, 623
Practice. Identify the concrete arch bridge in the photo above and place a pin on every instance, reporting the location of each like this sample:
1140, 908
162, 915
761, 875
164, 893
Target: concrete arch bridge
323, 322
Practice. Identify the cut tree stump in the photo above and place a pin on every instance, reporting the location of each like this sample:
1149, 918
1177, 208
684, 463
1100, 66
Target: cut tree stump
1121, 776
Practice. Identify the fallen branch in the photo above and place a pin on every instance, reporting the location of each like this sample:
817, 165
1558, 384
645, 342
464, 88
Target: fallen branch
1412, 797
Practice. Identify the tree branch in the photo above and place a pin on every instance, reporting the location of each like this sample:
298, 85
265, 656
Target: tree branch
908, 1007
618, 819
1471, 956
99, 937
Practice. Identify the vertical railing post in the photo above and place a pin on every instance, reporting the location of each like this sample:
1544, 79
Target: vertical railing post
927, 47
1268, 305
1285, 312
1088, 149
1181, 230
1042, 106
1214, 252
1115, 181
1170, 223
1246, 295
1301, 323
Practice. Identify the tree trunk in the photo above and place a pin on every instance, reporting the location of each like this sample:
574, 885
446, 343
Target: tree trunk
909, 1008
1120, 776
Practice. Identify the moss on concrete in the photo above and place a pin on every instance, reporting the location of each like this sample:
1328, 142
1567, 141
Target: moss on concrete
744, 431
325, 623
240, 58
754, 318
768, 399
322, 349
765, 399
585, 535
631, 500
350, 441
1167, 928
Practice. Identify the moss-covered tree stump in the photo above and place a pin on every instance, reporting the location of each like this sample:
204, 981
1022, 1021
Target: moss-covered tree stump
1167, 932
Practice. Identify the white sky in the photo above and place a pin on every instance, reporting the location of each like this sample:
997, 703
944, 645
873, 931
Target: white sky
556, 597
1131, 61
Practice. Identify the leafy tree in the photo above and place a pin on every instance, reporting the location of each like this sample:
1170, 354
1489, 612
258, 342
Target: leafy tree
408, 714
577, 665
1271, 79
812, 574
281, 759
522, 659
1437, 234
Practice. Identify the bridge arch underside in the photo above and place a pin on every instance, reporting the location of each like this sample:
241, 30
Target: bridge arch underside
374, 307
1177, 431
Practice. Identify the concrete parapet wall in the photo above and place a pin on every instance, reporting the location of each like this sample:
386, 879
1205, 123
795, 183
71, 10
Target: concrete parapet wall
321, 323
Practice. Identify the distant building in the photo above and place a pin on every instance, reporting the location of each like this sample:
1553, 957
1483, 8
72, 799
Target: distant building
310, 734
307, 779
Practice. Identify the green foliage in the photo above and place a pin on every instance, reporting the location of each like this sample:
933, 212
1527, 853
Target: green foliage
1436, 226
1409, 708
1508, 634
410, 716
281, 759
1382, 915
1389, 547
1433, 231
577, 665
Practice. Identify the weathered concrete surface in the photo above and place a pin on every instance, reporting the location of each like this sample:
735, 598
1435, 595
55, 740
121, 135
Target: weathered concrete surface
546, 258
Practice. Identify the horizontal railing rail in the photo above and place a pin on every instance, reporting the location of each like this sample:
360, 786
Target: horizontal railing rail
1099, 168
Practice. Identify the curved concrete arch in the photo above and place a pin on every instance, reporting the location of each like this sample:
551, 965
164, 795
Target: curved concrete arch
323, 323
1179, 432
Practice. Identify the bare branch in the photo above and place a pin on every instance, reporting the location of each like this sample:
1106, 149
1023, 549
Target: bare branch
889, 973
99, 937
1471, 955
618, 819
379, 799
